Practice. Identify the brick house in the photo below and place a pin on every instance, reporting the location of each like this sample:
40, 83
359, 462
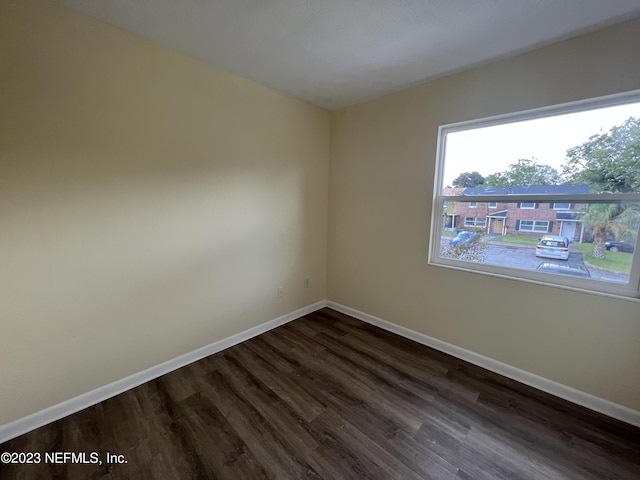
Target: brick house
527, 219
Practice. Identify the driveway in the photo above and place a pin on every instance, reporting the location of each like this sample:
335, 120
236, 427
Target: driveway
524, 257
521, 256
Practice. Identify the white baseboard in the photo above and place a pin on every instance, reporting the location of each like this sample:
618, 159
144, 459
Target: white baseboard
73, 405
584, 399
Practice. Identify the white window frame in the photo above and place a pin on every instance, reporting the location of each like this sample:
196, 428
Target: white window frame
473, 205
475, 222
493, 205
533, 226
630, 291
562, 208
522, 205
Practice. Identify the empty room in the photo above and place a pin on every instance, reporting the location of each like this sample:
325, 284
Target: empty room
320, 239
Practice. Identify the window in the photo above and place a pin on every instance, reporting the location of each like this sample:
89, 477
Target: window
562, 206
475, 222
567, 173
532, 226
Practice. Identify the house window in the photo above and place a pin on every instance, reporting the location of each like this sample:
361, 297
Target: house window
533, 226
476, 222
595, 176
562, 206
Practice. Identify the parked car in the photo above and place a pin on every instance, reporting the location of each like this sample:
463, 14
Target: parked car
464, 239
616, 246
553, 246
572, 269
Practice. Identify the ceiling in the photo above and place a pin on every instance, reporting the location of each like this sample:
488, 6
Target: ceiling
335, 53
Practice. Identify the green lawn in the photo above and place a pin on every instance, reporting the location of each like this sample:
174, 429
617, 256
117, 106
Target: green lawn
617, 261
516, 239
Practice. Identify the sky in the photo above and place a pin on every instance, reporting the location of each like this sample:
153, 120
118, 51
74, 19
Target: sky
491, 149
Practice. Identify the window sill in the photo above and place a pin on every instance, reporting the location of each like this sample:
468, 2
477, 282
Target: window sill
545, 283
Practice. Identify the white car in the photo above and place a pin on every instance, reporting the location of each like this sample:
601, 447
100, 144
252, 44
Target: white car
553, 246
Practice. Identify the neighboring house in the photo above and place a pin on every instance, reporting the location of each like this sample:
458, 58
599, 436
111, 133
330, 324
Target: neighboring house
529, 219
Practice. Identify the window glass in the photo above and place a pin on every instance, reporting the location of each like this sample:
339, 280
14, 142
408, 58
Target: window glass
570, 172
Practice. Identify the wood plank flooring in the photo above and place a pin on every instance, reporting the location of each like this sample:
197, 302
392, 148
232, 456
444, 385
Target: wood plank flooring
329, 397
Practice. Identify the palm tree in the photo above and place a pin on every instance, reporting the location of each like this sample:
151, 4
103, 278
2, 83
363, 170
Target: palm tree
610, 219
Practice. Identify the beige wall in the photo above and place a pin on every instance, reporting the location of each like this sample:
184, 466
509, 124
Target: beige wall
149, 204
381, 186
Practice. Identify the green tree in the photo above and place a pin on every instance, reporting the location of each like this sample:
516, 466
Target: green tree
608, 161
524, 172
610, 220
468, 179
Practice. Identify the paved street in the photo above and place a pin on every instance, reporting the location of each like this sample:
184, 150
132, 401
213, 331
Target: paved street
523, 257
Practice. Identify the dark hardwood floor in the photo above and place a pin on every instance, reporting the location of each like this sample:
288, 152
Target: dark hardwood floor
328, 396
